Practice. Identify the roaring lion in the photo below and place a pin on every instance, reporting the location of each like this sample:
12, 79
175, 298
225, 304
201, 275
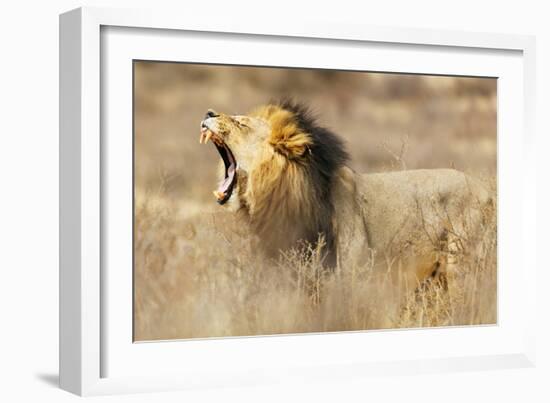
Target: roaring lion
289, 179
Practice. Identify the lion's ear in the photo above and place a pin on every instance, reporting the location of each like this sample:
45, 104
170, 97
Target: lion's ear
286, 137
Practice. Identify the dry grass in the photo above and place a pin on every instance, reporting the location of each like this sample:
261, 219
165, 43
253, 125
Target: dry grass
195, 272
198, 277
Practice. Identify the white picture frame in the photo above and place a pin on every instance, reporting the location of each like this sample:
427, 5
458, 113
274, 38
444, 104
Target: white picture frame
96, 355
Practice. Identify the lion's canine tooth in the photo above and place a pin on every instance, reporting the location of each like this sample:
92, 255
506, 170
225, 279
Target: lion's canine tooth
208, 135
219, 195
201, 137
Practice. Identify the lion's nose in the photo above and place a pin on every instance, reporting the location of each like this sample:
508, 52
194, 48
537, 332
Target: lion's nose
211, 114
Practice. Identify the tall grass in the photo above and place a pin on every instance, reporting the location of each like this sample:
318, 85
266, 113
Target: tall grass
198, 276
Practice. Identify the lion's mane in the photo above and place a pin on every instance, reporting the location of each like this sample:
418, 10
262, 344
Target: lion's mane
288, 194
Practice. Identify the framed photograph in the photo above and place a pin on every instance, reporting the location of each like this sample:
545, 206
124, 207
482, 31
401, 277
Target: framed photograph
245, 204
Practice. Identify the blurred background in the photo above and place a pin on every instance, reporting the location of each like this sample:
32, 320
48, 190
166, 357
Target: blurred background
389, 121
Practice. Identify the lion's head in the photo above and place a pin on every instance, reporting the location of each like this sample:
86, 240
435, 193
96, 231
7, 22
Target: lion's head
277, 167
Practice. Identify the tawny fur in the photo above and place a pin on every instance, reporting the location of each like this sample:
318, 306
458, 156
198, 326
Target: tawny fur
294, 185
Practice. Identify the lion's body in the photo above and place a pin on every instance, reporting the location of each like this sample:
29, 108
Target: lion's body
294, 185
415, 215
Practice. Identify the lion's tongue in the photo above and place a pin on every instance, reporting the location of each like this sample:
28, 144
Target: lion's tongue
226, 183
230, 175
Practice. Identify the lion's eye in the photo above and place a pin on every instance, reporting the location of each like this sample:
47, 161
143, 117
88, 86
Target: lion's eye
240, 123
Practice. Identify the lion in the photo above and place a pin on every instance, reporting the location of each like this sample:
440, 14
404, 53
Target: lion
289, 178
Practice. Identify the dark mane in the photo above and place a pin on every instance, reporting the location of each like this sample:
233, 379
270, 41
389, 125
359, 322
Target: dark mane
328, 152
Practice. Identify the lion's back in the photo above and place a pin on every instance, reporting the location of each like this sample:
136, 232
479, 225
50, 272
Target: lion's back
408, 204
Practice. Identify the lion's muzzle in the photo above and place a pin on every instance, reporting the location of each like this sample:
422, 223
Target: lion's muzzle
207, 133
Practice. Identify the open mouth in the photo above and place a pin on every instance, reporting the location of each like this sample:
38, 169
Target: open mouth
225, 188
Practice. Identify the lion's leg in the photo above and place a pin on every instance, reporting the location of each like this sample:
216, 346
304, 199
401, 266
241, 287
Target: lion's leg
451, 256
422, 302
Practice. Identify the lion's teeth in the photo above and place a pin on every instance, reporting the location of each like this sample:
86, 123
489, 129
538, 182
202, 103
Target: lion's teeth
201, 137
219, 195
208, 135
